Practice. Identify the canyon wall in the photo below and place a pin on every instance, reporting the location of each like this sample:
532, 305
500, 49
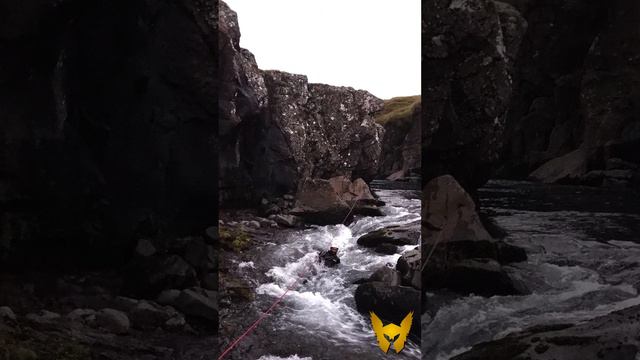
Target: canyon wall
108, 128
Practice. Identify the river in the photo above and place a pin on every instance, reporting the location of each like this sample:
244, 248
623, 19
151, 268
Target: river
317, 319
583, 247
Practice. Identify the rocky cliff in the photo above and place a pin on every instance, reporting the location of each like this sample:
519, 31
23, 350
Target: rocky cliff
402, 141
108, 126
277, 129
574, 117
469, 48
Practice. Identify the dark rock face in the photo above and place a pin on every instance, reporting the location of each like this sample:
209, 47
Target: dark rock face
242, 101
108, 128
607, 337
459, 253
576, 80
277, 129
329, 130
469, 48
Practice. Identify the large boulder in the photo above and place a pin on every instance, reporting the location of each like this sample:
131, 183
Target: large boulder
449, 213
114, 321
568, 168
148, 277
198, 303
408, 234
459, 254
409, 266
335, 200
609, 337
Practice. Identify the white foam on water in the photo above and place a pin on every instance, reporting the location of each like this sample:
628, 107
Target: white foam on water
575, 273
321, 299
246, 264
293, 357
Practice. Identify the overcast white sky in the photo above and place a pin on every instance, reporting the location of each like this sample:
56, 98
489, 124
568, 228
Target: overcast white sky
367, 44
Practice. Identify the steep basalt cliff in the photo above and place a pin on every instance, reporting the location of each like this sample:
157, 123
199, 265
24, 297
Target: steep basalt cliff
576, 84
469, 48
108, 126
277, 129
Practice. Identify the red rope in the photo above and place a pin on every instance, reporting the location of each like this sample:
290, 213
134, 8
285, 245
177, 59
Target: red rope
264, 314
255, 323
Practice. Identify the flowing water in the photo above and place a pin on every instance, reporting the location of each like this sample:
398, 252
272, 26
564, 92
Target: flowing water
583, 247
317, 319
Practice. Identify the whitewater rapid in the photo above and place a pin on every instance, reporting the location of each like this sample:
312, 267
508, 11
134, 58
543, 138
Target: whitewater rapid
320, 307
582, 263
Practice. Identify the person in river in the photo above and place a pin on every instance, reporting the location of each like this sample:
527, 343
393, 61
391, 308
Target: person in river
329, 257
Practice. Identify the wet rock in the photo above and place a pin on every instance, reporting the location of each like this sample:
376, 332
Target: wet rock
252, 224
168, 297
390, 303
386, 249
568, 168
449, 213
236, 288
395, 235
209, 281
479, 276
201, 256
83, 316
286, 220
176, 323
124, 303
145, 248
267, 223
113, 321
606, 337
409, 267
43, 317
387, 276
146, 315
463, 256
196, 303
508, 253
154, 274
7, 314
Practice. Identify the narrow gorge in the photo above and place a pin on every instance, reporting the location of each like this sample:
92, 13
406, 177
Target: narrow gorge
530, 214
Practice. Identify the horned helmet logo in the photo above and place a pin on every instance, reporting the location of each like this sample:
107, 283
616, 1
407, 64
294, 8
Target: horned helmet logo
391, 333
